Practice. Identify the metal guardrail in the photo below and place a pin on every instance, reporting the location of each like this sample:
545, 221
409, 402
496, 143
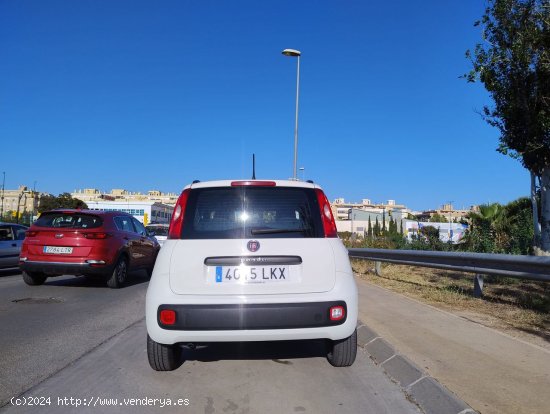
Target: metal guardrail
522, 267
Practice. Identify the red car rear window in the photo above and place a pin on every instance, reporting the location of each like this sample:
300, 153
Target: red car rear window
69, 220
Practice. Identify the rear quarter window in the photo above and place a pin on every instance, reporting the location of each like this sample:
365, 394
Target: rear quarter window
252, 212
124, 223
6, 233
69, 220
159, 230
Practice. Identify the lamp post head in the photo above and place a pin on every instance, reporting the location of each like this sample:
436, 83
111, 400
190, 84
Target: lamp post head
291, 52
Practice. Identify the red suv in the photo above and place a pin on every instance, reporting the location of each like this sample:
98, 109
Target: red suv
86, 242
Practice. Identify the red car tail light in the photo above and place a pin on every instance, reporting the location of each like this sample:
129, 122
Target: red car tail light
329, 225
337, 313
167, 317
176, 224
96, 235
30, 233
253, 183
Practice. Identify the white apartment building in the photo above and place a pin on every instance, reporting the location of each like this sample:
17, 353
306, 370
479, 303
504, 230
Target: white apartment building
145, 211
117, 194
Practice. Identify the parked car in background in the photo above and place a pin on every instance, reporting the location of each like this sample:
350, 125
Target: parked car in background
11, 239
106, 244
251, 261
160, 231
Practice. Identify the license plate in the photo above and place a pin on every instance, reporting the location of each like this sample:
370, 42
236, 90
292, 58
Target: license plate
58, 250
250, 274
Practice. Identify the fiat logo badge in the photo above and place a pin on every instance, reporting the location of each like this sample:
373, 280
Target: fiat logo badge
253, 245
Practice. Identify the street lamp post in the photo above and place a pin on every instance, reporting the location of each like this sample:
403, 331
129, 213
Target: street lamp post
2, 205
295, 53
33, 203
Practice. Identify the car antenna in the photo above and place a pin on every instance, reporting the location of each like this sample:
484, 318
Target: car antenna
253, 166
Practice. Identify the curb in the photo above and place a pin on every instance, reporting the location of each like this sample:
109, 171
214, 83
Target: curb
425, 391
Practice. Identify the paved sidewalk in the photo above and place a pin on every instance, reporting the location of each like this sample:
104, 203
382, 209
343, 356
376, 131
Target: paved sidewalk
491, 371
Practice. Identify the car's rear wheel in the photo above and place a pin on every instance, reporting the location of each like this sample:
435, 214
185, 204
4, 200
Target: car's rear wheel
120, 273
163, 357
342, 352
34, 278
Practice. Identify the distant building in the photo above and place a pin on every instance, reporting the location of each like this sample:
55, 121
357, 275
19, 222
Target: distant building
145, 211
342, 209
447, 231
448, 212
117, 194
22, 202
354, 217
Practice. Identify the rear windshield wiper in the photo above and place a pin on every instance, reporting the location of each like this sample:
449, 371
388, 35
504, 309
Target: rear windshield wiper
275, 231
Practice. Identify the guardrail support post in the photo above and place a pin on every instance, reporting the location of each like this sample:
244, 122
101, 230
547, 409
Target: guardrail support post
478, 286
378, 268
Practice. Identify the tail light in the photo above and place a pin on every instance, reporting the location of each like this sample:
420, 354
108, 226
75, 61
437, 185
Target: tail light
96, 235
337, 313
176, 224
30, 233
329, 225
167, 317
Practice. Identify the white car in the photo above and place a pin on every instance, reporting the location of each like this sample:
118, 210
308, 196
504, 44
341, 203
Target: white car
251, 261
11, 239
160, 232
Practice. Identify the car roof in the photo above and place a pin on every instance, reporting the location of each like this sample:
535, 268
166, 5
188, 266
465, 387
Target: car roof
85, 211
228, 183
4, 223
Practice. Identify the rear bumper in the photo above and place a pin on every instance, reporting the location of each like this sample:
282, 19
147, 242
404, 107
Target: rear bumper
60, 268
252, 316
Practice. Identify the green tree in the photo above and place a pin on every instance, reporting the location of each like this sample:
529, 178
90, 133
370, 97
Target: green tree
513, 63
63, 200
376, 229
482, 235
369, 229
514, 227
438, 218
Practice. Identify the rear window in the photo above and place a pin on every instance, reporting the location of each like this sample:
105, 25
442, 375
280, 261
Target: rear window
252, 212
6, 233
159, 230
69, 220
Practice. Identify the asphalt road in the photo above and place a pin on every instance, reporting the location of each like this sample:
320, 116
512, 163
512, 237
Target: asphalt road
74, 338
45, 328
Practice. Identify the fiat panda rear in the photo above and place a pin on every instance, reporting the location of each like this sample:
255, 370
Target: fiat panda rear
251, 261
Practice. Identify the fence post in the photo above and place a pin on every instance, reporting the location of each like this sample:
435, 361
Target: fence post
478, 286
378, 268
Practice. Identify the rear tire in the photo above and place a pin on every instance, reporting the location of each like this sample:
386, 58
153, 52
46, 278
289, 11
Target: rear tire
34, 278
163, 357
342, 352
120, 274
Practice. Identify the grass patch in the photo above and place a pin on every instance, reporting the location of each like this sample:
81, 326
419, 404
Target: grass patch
508, 304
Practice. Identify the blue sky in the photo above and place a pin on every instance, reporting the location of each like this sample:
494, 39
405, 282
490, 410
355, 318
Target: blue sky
154, 94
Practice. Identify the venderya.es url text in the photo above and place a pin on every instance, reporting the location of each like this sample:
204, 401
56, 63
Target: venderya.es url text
99, 402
